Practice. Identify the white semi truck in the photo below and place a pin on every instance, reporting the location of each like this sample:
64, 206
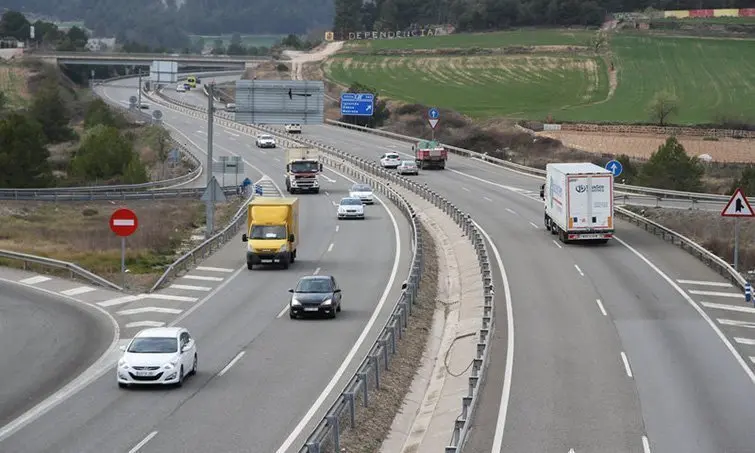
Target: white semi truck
578, 202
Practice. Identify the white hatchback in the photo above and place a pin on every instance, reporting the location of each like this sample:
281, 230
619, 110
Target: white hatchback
159, 356
390, 160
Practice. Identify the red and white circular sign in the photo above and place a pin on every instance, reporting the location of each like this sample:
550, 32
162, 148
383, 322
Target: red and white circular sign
123, 222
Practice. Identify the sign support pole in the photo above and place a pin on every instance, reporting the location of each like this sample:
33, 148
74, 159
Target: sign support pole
210, 204
139, 102
123, 262
736, 244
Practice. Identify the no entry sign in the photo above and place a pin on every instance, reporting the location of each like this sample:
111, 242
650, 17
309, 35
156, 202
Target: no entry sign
123, 222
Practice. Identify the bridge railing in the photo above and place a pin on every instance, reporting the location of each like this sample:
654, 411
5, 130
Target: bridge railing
148, 56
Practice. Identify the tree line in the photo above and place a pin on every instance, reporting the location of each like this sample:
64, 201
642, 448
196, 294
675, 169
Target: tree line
46, 34
104, 149
483, 15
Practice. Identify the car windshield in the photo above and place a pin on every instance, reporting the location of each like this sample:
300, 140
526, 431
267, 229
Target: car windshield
266, 137
304, 167
268, 232
391, 156
361, 188
351, 201
153, 345
408, 163
312, 285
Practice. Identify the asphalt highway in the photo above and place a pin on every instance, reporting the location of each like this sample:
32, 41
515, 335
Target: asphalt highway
260, 372
44, 342
615, 346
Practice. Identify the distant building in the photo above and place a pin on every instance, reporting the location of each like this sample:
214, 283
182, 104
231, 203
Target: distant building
9, 42
100, 44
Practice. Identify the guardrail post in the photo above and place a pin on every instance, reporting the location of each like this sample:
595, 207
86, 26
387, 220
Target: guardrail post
384, 347
352, 408
333, 421
313, 447
365, 388
376, 362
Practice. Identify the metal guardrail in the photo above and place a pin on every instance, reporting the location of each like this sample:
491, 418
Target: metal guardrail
153, 56
74, 269
112, 195
326, 436
707, 257
536, 171
206, 248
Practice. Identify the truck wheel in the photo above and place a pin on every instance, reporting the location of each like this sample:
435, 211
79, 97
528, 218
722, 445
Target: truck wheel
249, 266
291, 257
316, 190
547, 224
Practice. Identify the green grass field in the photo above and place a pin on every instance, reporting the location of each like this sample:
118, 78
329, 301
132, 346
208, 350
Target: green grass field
484, 40
712, 78
246, 40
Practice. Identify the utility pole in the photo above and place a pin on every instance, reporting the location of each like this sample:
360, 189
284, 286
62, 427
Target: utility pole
139, 102
211, 202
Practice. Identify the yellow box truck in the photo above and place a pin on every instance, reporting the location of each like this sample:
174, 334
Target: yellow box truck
272, 233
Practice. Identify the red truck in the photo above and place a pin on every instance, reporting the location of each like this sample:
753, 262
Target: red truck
430, 154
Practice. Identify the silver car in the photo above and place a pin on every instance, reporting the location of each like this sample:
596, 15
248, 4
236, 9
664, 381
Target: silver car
408, 167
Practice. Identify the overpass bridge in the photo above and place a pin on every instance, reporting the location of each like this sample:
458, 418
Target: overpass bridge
146, 59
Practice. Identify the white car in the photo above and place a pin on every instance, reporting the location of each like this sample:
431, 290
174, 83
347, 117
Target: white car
265, 141
293, 128
351, 208
230, 107
408, 167
181, 88
363, 192
159, 356
390, 160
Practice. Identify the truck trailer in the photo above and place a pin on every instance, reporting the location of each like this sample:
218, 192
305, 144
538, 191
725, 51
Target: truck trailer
578, 202
272, 234
303, 168
430, 154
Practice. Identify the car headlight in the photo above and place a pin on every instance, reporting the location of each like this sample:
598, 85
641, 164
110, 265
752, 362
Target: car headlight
172, 364
122, 363
328, 302
295, 302
341, 209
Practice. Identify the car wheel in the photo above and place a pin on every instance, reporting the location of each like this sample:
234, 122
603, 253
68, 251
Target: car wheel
332, 314
291, 315
193, 371
122, 385
338, 308
180, 382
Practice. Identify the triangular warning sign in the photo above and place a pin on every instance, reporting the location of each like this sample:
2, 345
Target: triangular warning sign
738, 206
433, 122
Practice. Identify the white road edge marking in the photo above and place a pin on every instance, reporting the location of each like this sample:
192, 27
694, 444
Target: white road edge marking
626, 364
338, 227
716, 294
534, 225
143, 442
600, 305
99, 367
511, 211
735, 323
145, 324
77, 291
465, 189
34, 280
747, 341
737, 308
557, 244
231, 363
191, 287
214, 269
317, 271
694, 305
296, 432
202, 277
645, 444
488, 199
579, 270
699, 282
500, 424
282, 312
330, 247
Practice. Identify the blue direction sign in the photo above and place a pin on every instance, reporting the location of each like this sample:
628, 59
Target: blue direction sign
357, 104
433, 114
615, 167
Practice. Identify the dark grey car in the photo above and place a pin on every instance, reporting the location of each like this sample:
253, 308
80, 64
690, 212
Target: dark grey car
315, 295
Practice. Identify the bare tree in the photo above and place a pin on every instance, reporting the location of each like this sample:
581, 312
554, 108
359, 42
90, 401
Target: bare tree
662, 107
599, 41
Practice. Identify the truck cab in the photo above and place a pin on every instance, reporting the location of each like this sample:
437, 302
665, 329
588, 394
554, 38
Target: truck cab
272, 231
303, 168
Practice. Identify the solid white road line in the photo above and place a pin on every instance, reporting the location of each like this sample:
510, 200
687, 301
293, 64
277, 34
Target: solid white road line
600, 305
138, 311
737, 308
169, 297
231, 363
191, 288
716, 294
143, 442
698, 282
699, 310
77, 291
144, 324
215, 269
297, 431
735, 323
503, 407
579, 270
330, 247
747, 341
557, 244
626, 364
34, 280
118, 301
282, 312
534, 225
487, 199
202, 277
511, 211
645, 444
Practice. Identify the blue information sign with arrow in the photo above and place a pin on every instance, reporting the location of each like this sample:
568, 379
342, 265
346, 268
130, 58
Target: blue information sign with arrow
615, 167
357, 104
